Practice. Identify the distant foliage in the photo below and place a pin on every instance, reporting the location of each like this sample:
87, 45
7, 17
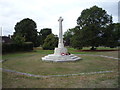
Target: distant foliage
50, 42
111, 36
67, 36
76, 40
18, 39
44, 33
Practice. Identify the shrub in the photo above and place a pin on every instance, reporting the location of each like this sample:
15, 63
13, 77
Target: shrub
18, 39
13, 47
50, 42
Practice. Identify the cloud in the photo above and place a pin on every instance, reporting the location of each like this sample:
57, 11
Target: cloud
46, 12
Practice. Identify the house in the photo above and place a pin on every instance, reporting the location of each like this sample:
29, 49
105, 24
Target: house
6, 39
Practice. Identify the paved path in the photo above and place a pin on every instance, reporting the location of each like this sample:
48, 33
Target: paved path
58, 75
100, 56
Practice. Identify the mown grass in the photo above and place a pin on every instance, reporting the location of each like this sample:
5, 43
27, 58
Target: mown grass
101, 48
30, 62
34, 64
108, 80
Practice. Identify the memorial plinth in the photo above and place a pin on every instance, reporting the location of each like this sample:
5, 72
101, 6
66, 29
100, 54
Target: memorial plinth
60, 53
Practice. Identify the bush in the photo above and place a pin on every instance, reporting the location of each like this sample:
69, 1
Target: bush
18, 39
13, 47
50, 42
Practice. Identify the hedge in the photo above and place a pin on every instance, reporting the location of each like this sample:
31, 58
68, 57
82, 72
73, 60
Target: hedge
12, 47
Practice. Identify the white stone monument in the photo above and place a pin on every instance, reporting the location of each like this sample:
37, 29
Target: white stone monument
60, 53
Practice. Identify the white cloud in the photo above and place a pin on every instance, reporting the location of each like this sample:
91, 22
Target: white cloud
46, 12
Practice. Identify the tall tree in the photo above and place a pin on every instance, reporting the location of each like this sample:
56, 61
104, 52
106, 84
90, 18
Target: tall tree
92, 23
27, 28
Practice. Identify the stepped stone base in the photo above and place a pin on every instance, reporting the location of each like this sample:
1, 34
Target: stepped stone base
61, 53
60, 58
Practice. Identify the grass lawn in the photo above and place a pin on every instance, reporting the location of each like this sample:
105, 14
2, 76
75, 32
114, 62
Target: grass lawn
30, 62
100, 48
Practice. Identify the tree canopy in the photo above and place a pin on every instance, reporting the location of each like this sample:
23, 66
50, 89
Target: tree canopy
18, 39
44, 33
111, 38
67, 35
27, 28
92, 23
50, 42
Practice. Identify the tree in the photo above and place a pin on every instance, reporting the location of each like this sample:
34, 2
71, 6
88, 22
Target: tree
50, 42
111, 38
67, 36
76, 40
92, 23
27, 28
44, 33
117, 33
39, 40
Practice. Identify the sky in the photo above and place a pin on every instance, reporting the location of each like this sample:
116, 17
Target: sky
47, 12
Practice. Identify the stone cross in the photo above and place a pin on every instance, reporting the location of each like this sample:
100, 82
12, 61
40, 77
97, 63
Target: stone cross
60, 44
60, 53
